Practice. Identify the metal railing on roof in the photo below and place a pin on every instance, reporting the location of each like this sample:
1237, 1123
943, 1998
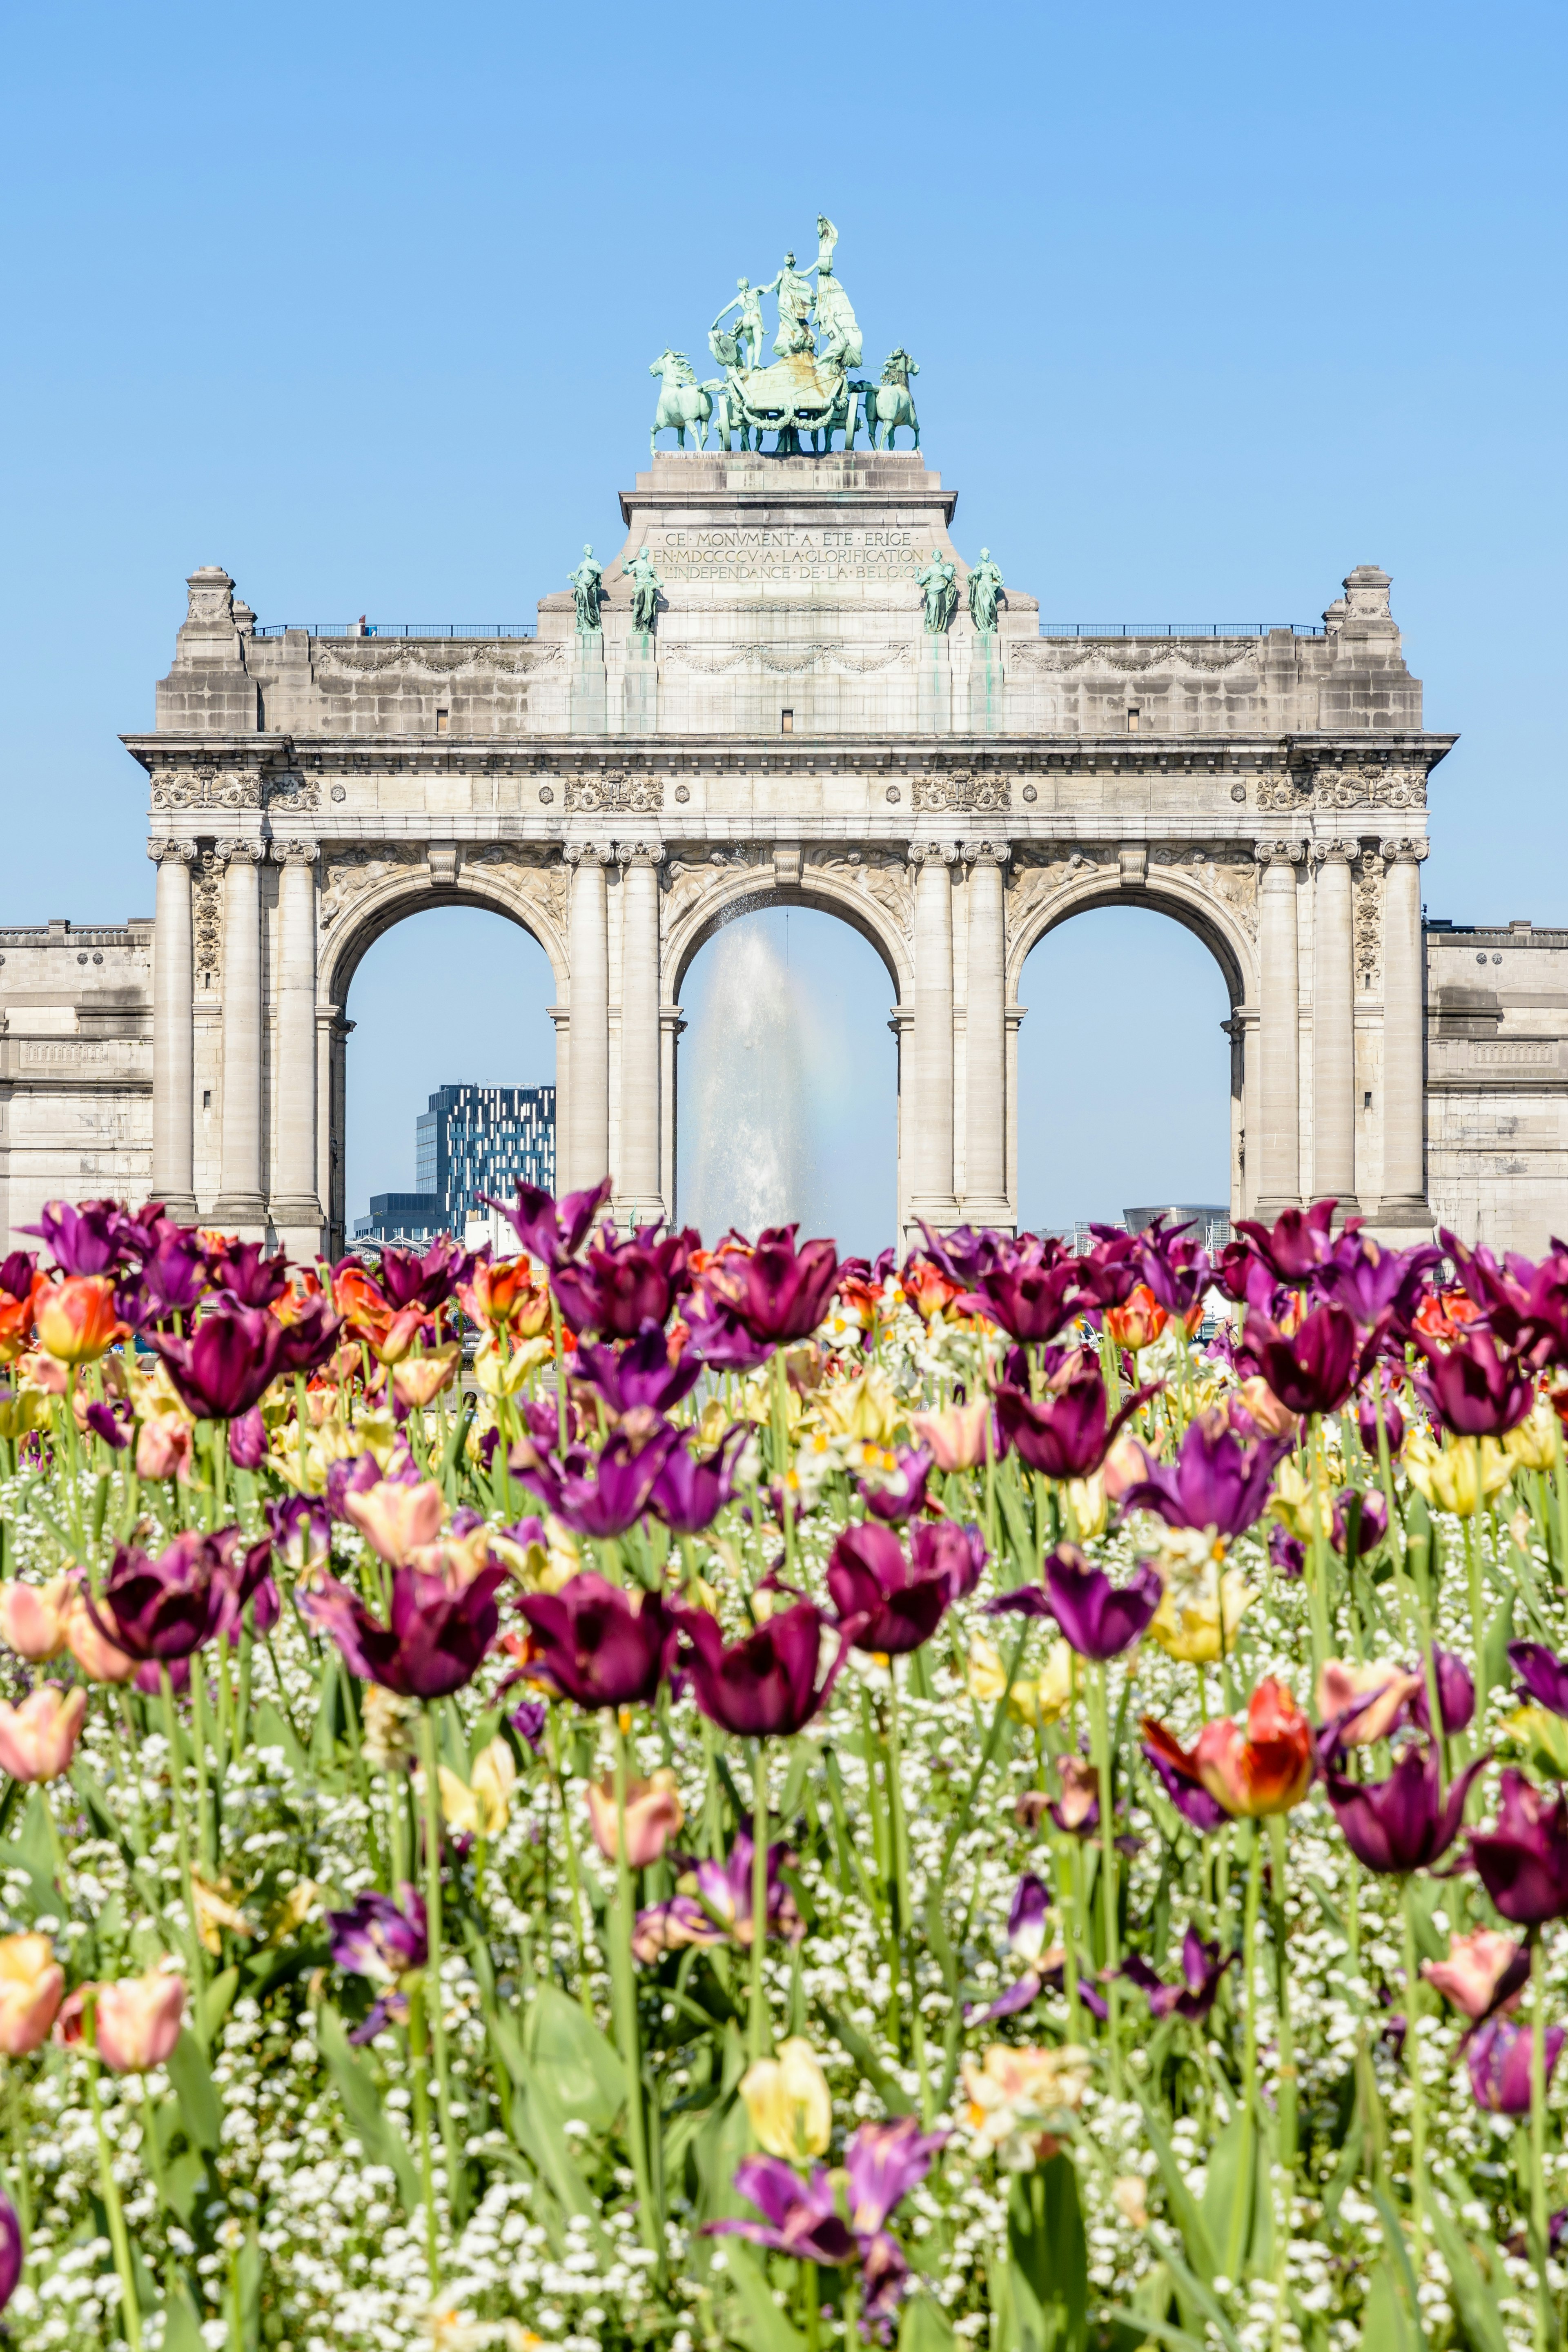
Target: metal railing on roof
1179, 628
402, 628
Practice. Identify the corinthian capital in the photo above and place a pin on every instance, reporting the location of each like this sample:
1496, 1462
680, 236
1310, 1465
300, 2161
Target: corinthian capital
241, 853
588, 853
296, 853
185, 852
1414, 851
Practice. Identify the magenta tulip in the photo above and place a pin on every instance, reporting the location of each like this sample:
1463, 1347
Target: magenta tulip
1099, 1620
1404, 1822
1499, 2054
779, 1292
228, 1364
599, 1644
435, 1636
1523, 1860
1472, 1388
892, 1606
771, 1682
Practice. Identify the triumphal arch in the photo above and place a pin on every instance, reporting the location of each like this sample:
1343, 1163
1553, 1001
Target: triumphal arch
790, 684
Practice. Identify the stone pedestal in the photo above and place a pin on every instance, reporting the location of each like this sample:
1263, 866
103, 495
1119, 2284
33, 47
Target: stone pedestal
986, 684
639, 687
934, 692
585, 695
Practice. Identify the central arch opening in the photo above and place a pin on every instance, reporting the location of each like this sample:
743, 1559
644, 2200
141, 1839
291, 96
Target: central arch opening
447, 998
788, 1081
1124, 1071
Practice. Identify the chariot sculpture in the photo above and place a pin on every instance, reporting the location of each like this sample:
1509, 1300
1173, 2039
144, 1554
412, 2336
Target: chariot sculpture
809, 389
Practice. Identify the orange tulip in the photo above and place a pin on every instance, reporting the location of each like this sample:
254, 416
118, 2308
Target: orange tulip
1378, 1690
507, 1291
927, 1289
76, 1317
137, 2021
32, 1984
1138, 1323
1267, 1768
956, 1435
33, 1618
37, 1740
654, 1813
16, 1319
1272, 1418
420, 1378
394, 1518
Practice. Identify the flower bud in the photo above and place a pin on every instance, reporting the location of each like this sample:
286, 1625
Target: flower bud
654, 1813
32, 1618
38, 1738
788, 2102
32, 1984
137, 2021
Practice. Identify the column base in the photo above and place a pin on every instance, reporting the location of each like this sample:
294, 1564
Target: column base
1404, 1213
1267, 1213
1345, 1205
995, 1214
940, 1210
299, 1225
180, 1206
240, 1209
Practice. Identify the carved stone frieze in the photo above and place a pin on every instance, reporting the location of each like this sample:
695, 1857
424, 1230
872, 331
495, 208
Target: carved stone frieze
1055, 655
962, 789
338, 665
1368, 916
205, 788
207, 912
350, 873
1349, 786
291, 795
787, 661
641, 795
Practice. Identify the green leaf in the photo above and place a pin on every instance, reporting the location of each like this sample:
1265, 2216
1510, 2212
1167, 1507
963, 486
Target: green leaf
894, 2097
192, 2078
1385, 2324
1472, 2292
924, 2326
587, 2078
1049, 2258
1179, 2198
373, 2128
767, 2329
1399, 2255
1227, 2195
1140, 2328
274, 1730
220, 1996
1197, 2292
182, 2327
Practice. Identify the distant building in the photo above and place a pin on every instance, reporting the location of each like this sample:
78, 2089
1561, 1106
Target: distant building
471, 1140
1210, 1224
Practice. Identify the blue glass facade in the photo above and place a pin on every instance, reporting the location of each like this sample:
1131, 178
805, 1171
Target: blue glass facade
471, 1140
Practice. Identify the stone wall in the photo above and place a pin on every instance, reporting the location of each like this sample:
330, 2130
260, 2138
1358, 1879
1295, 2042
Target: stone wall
1497, 1083
76, 1065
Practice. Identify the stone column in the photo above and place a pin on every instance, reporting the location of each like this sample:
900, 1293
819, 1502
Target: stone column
1333, 1029
930, 1187
1279, 1144
638, 1200
985, 1201
297, 1207
241, 1201
588, 1136
174, 1096
1404, 1202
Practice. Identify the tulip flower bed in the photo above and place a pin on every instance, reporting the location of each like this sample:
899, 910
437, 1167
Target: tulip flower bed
783, 1803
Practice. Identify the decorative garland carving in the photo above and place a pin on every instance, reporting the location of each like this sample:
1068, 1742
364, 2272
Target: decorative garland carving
205, 788
784, 663
1368, 918
963, 790
615, 790
207, 912
351, 872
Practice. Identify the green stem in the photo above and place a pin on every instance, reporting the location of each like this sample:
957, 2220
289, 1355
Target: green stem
574, 1874
130, 2310
1413, 2068
419, 2064
907, 1936
456, 2199
761, 2038
649, 2219
1239, 2217
1286, 2032
182, 1848
1099, 1734
1538, 2222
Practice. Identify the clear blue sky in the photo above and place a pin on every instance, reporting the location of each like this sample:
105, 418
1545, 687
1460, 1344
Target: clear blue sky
1209, 306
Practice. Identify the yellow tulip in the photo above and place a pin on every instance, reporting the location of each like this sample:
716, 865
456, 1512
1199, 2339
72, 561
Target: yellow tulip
483, 1805
1543, 1737
1035, 1700
788, 2102
1446, 1473
868, 1408
1187, 1624
1291, 1501
1533, 1444
499, 1373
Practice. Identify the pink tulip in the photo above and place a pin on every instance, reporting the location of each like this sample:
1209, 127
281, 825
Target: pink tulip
32, 1983
138, 2020
394, 1518
163, 1448
654, 1813
33, 1618
1375, 1693
38, 1738
955, 1436
1478, 1968
98, 1657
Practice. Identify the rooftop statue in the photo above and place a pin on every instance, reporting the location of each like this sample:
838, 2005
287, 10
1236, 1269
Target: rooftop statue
646, 585
810, 385
939, 579
587, 585
985, 586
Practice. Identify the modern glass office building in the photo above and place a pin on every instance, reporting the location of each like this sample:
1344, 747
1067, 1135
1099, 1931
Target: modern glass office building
471, 1140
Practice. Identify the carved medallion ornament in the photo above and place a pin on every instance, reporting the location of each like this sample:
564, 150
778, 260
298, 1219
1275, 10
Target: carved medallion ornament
615, 790
963, 789
205, 788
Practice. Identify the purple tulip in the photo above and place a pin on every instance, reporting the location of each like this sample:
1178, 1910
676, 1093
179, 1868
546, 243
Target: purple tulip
1314, 1368
1523, 1860
105, 1422
1543, 1674
1296, 1244
721, 1341
1471, 1388
1031, 1288
1026, 1917
1214, 1481
171, 1280
355, 1475
897, 1494
434, 1639
769, 1684
549, 1230
1456, 1694
248, 1440
309, 1339
227, 1365
721, 1910
94, 1237
959, 1553
385, 1941
301, 1526
1098, 1619
1393, 1424
1202, 1971
1068, 1433
599, 1644
600, 1494
18, 1272
803, 2217
1165, 1757
1374, 1283
1403, 1823
1497, 2055
1372, 1525
431, 1280
246, 1274
639, 1377
12, 2253
1177, 1269
622, 1286
884, 1605
246, 1571
527, 1720
160, 1610
1287, 1551
777, 1291
690, 1491
884, 2162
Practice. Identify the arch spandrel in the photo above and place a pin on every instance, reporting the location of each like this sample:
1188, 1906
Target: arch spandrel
532, 896
869, 892
1041, 897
